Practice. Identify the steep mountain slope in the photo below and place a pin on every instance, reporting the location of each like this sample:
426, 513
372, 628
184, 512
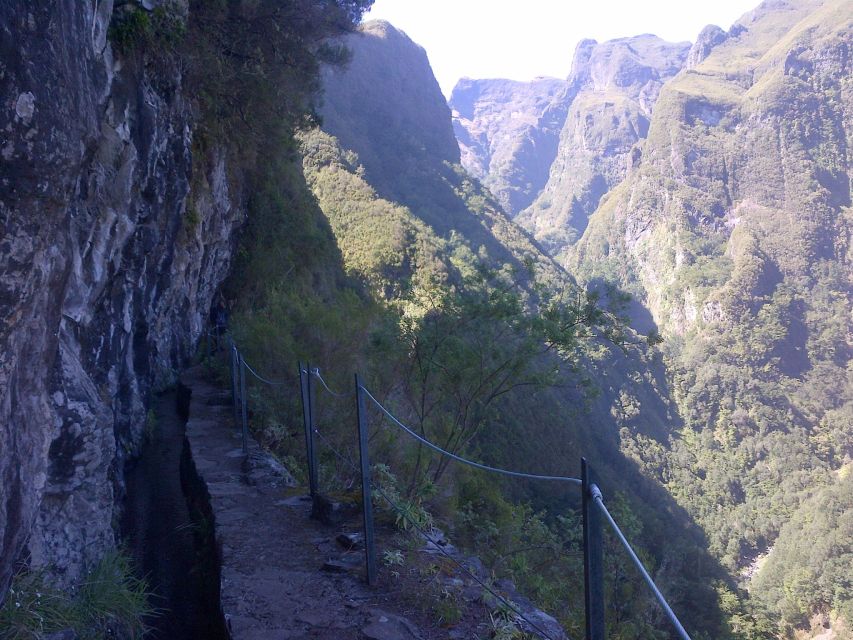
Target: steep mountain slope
617, 84
735, 227
404, 141
405, 214
550, 149
508, 133
724, 207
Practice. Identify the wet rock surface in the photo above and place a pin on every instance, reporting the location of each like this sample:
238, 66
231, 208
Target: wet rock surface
166, 536
105, 285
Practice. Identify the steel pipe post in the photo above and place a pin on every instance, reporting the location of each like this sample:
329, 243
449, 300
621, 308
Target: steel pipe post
367, 504
244, 406
313, 471
304, 378
593, 558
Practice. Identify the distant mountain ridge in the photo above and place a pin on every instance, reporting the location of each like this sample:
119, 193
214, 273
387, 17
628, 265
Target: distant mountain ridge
508, 133
713, 182
550, 149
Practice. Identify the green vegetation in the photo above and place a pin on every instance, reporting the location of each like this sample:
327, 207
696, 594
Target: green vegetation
354, 281
407, 272
737, 239
367, 248
254, 67
109, 602
812, 559
133, 28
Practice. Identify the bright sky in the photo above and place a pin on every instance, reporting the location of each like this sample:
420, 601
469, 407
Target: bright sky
522, 39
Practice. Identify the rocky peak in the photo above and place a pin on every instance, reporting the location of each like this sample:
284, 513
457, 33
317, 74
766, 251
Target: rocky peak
627, 64
580, 61
709, 37
616, 85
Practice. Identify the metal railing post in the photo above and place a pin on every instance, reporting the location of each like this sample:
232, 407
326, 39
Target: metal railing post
234, 393
593, 558
367, 504
313, 471
304, 380
244, 405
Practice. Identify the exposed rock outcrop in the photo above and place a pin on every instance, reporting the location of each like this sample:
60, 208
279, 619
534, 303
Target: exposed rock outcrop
508, 133
732, 156
708, 38
107, 271
617, 84
550, 149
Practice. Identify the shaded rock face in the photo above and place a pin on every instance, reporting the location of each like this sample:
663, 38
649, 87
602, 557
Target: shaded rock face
389, 77
508, 133
616, 85
105, 280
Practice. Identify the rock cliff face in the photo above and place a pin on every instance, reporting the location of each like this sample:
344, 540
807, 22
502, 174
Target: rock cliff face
508, 134
740, 145
617, 84
107, 271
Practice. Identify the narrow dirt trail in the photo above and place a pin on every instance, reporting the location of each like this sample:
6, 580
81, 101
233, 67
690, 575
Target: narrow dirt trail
273, 585
283, 575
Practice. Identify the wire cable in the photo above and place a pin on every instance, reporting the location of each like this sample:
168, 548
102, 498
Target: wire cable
316, 372
435, 544
484, 467
599, 500
275, 383
596, 494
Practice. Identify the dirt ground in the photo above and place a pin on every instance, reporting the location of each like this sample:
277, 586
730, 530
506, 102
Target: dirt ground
284, 575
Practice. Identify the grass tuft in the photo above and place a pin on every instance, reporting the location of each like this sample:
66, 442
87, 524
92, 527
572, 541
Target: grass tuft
110, 602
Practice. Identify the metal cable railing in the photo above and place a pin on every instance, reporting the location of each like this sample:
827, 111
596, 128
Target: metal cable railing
593, 501
426, 536
273, 383
478, 465
599, 501
316, 373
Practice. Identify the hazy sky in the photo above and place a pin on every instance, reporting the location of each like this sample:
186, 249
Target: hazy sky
522, 39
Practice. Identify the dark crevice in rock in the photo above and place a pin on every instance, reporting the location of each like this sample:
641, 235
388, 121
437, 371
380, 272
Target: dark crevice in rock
168, 528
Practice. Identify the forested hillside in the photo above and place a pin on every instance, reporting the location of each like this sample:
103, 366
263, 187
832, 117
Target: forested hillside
728, 216
735, 230
379, 253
